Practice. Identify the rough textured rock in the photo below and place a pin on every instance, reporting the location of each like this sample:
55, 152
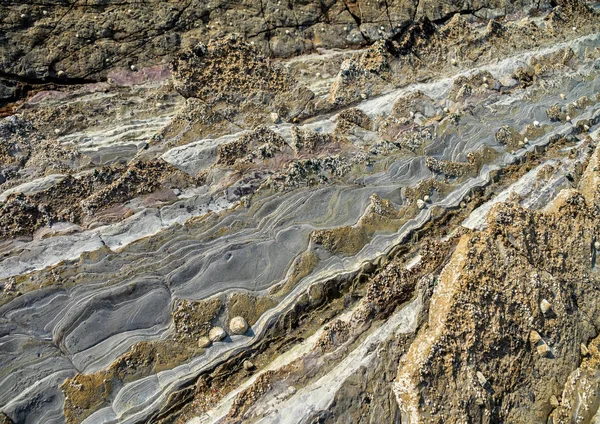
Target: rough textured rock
375, 187
85, 41
486, 307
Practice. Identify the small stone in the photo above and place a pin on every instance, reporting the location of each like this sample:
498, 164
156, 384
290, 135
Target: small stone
481, 378
586, 127
238, 325
453, 61
23, 16
44, 12
420, 204
204, 342
248, 366
568, 118
545, 306
525, 140
216, 333
287, 31
159, 105
563, 96
553, 401
536, 123
426, 198
56, 131
534, 336
446, 110
543, 349
597, 245
275, 117
291, 390
61, 74
133, 68
584, 350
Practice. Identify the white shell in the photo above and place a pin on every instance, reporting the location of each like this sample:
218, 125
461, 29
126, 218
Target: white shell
204, 342
216, 333
238, 325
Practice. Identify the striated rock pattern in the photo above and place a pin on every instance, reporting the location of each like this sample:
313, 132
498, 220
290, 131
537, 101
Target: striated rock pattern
335, 212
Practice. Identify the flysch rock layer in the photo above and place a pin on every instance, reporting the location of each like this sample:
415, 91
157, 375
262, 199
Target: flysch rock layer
299, 212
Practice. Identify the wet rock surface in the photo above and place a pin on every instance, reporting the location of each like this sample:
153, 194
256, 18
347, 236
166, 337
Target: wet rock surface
299, 212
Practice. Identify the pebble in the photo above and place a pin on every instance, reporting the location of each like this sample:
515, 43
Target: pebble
563, 96
61, 74
56, 131
543, 349
159, 105
597, 245
453, 61
291, 390
584, 350
216, 333
275, 117
525, 140
420, 204
238, 325
534, 336
568, 118
133, 68
481, 378
44, 12
426, 198
586, 127
204, 342
545, 306
536, 123
446, 110
248, 366
23, 16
